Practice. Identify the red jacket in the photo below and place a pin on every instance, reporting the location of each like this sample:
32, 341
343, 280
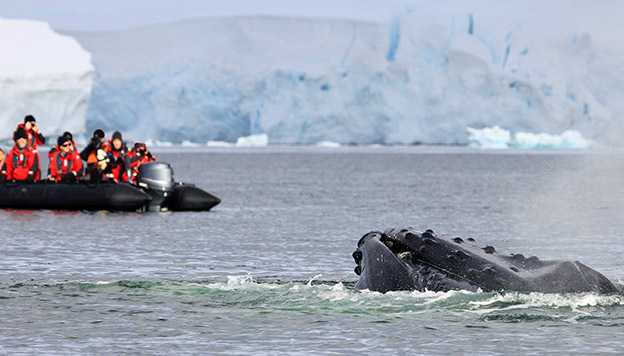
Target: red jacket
19, 165
119, 169
137, 159
34, 138
61, 165
55, 149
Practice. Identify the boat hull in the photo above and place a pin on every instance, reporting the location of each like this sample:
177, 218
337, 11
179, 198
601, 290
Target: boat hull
77, 196
99, 196
187, 197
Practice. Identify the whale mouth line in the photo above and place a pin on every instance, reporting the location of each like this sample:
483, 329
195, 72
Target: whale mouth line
410, 257
395, 246
406, 254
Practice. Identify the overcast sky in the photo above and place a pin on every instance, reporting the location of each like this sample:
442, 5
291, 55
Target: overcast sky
116, 14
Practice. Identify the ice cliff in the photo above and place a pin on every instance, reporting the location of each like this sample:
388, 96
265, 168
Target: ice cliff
422, 76
44, 74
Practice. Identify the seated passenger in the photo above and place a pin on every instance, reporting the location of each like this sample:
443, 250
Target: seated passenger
22, 162
139, 155
103, 170
34, 135
119, 160
65, 164
55, 149
90, 153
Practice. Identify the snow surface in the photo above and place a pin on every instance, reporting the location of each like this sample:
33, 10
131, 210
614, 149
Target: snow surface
44, 74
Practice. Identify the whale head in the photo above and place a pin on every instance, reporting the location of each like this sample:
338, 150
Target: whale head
406, 259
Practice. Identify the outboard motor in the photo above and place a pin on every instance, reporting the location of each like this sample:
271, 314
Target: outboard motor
157, 178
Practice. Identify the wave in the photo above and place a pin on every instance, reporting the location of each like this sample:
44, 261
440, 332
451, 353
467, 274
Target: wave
316, 295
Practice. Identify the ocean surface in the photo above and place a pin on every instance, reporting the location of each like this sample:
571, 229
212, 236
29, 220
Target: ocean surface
269, 270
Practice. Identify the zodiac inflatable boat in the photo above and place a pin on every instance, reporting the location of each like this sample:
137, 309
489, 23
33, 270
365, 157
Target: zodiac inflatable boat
156, 190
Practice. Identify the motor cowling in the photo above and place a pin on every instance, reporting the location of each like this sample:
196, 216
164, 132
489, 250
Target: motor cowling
157, 179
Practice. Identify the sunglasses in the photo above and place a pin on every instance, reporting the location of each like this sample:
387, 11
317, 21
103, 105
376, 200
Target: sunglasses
66, 145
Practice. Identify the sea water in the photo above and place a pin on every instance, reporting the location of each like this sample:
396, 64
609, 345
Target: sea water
269, 270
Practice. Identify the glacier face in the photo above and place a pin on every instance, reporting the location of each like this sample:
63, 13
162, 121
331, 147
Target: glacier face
423, 77
44, 74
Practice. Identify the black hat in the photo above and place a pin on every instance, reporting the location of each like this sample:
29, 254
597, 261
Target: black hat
29, 118
99, 133
117, 135
62, 139
68, 135
20, 133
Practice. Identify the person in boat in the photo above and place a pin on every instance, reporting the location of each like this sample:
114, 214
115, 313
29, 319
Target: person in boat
119, 159
55, 149
97, 147
65, 164
35, 137
139, 155
22, 162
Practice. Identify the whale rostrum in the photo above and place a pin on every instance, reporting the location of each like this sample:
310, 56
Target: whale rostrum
405, 259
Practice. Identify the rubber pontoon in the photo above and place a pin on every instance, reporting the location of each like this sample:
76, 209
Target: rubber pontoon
156, 191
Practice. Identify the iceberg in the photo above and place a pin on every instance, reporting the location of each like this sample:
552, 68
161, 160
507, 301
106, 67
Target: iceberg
423, 75
260, 140
569, 139
328, 144
494, 137
45, 74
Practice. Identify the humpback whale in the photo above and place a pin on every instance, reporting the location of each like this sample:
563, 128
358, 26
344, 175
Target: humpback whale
405, 259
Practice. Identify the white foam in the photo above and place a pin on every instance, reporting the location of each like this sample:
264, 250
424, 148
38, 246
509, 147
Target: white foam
553, 300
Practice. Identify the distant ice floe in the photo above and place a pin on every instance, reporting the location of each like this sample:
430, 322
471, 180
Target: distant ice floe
489, 137
219, 144
260, 140
328, 144
568, 139
151, 143
497, 137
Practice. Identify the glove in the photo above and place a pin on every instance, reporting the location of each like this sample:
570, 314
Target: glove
149, 155
120, 160
68, 178
30, 178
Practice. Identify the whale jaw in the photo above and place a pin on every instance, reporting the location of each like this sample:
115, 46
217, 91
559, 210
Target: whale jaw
405, 259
